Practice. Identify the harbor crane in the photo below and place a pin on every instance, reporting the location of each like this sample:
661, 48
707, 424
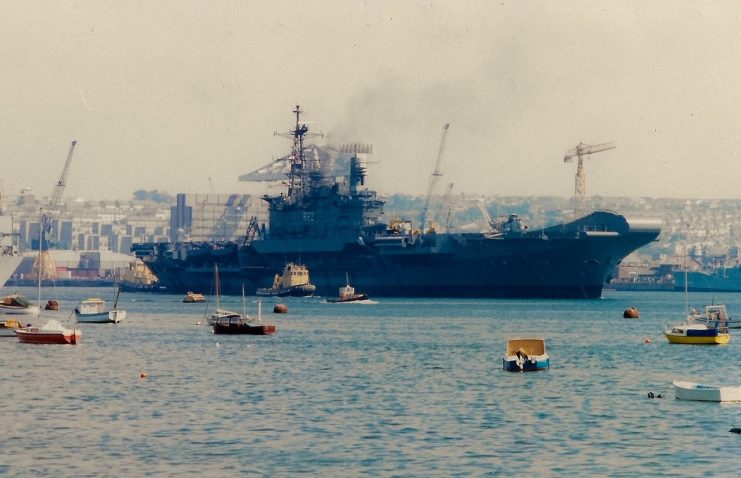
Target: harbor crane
436, 174
44, 265
581, 151
446, 206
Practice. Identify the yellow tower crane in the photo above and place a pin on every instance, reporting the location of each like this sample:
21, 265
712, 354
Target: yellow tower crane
581, 151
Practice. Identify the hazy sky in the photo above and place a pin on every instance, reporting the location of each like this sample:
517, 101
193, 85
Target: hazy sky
163, 95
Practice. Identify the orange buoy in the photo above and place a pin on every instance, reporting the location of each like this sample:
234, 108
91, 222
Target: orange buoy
143, 374
280, 309
631, 313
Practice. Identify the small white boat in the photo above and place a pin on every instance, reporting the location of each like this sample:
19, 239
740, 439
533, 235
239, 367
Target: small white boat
706, 393
716, 315
93, 311
525, 355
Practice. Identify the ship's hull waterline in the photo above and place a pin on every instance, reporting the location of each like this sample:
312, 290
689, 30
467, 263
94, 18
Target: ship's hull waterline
471, 265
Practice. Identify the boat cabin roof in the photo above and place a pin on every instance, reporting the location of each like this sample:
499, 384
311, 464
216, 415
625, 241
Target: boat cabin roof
231, 319
93, 299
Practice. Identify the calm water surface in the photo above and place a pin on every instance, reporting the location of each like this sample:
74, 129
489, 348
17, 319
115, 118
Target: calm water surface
401, 387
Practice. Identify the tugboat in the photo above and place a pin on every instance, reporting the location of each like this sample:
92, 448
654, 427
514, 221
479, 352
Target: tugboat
294, 283
348, 294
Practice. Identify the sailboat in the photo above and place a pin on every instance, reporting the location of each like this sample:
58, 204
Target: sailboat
218, 312
52, 332
232, 323
692, 332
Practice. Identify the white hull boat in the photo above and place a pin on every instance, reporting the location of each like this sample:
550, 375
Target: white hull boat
706, 393
17, 305
93, 311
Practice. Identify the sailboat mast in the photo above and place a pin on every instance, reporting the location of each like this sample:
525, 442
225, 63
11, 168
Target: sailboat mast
244, 304
686, 290
38, 299
115, 302
217, 286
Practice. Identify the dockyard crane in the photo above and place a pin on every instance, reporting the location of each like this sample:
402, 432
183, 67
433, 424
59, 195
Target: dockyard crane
446, 206
44, 264
62, 183
481, 204
581, 151
436, 174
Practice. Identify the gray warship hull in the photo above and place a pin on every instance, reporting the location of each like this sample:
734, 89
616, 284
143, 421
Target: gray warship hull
718, 280
571, 260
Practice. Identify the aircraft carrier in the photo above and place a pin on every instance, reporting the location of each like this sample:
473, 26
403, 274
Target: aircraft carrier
331, 223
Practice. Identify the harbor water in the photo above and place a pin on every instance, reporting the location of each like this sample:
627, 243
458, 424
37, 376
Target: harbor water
395, 387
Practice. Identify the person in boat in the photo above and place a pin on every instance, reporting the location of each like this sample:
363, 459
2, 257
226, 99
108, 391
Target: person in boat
521, 358
722, 324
